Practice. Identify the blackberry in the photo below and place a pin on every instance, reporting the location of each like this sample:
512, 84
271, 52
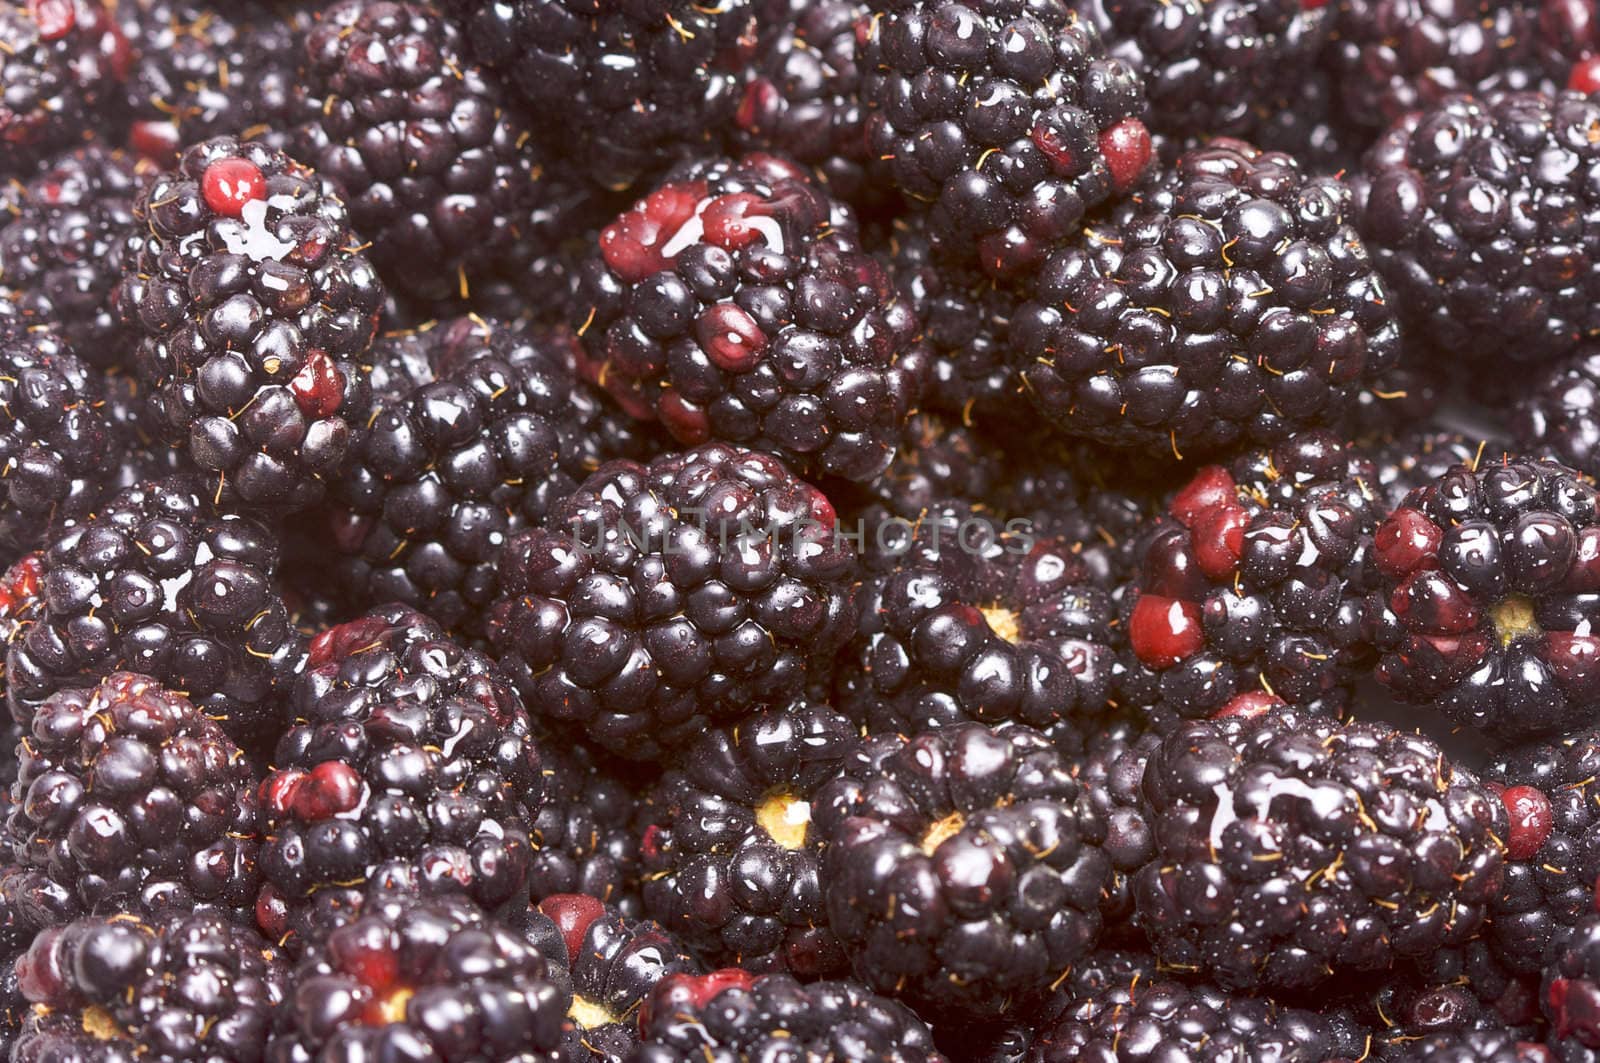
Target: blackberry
1481, 217
1473, 1046
1487, 578
409, 769
252, 309
731, 1015
937, 461
614, 963
1076, 497
1214, 69
192, 986
1008, 119
1228, 300
1289, 848
1418, 458
57, 445
1554, 844
1169, 1020
730, 857
202, 71
60, 75
435, 979
62, 244
977, 621
1253, 584
803, 99
735, 303
1570, 994
965, 317
625, 87
658, 598
586, 837
156, 581
430, 153
1559, 412
477, 429
129, 798
1112, 814
953, 868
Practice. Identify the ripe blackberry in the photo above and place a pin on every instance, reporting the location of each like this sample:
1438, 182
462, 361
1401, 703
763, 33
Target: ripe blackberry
965, 317
1554, 844
803, 99
1483, 219
477, 429
937, 460
1472, 1046
409, 768
202, 70
1076, 497
1169, 1020
436, 979
129, 798
1228, 300
614, 963
659, 598
1213, 69
1252, 585
1418, 458
1112, 813
432, 157
59, 76
730, 857
155, 581
735, 303
627, 88
977, 621
1289, 848
1008, 119
953, 868
586, 836
57, 444
731, 1015
1558, 414
62, 243
252, 309
1487, 577
191, 986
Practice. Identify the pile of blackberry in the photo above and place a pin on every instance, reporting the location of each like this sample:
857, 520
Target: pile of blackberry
901, 531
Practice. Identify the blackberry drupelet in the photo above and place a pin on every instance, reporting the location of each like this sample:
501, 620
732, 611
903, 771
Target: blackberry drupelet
477, 429
614, 963
1558, 414
1169, 1020
954, 869
1554, 844
409, 769
157, 582
972, 620
191, 986
730, 1015
58, 446
1484, 219
129, 799
731, 857
60, 76
659, 598
62, 243
1487, 581
1214, 68
626, 88
965, 317
1228, 300
203, 70
435, 162
586, 837
1253, 584
735, 304
1008, 119
803, 99
1289, 848
253, 311
436, 979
